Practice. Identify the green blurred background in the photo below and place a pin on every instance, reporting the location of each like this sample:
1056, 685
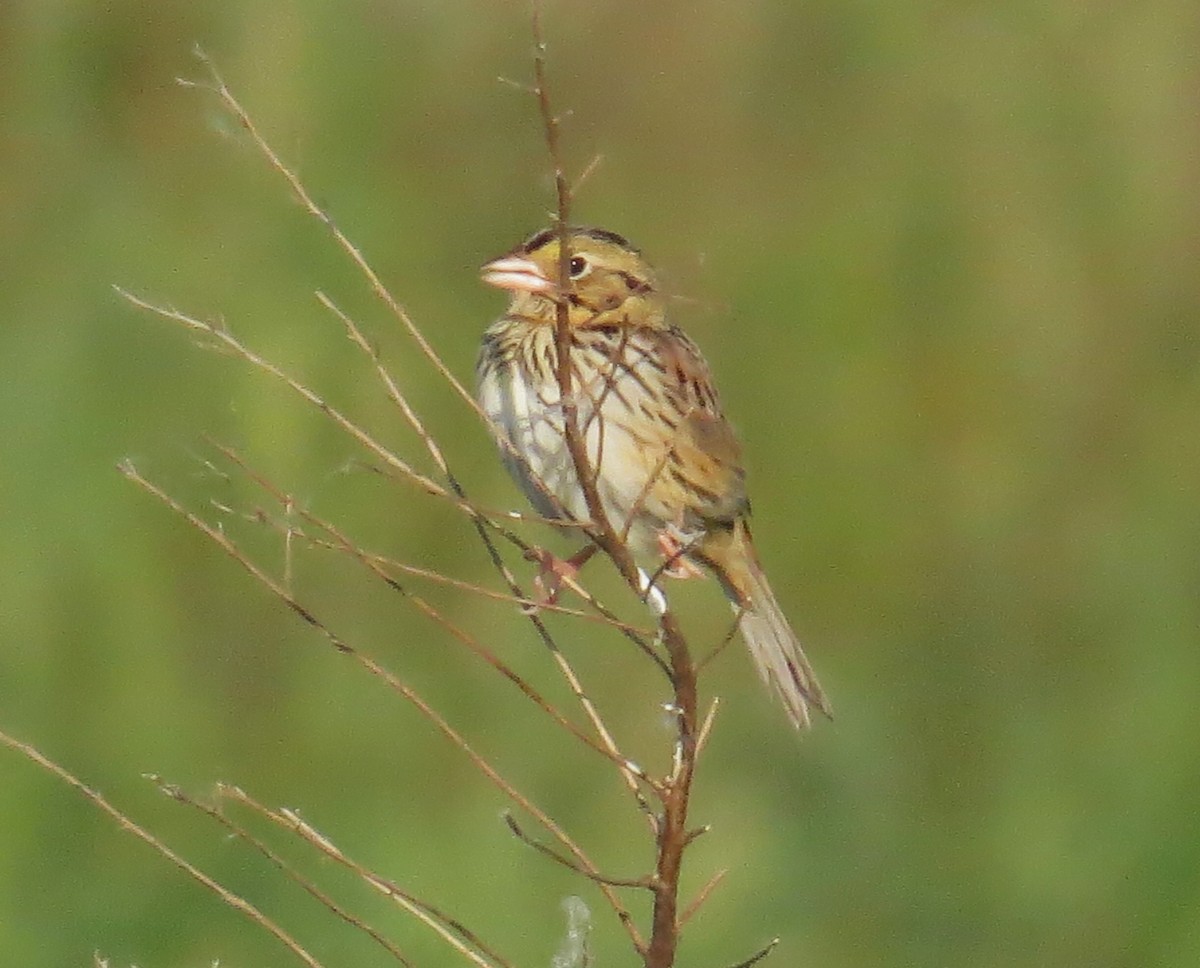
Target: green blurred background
943, 259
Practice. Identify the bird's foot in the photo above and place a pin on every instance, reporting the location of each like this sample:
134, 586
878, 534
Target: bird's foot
675, 564
553, 573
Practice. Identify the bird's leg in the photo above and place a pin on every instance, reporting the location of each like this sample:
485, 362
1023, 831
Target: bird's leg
673, 550
675, 565
553, 571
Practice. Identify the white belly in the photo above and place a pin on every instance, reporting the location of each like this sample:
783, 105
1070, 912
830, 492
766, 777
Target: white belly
527, 420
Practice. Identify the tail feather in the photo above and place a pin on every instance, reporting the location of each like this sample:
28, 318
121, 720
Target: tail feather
777, 653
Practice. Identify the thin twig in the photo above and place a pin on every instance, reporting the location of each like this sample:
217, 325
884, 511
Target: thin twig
393, 389
227, 896
228, 341
706, 726
374, 564
721, 646
588, 170
397, 685
703, 895
450, 929
758, 956
672, 838
179, 795
231, 103
548, 851
344, 544
474, 645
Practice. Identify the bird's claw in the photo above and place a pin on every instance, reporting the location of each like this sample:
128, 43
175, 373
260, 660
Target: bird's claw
676, 565
553, 573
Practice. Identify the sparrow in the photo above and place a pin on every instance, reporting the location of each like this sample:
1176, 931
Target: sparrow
665, 461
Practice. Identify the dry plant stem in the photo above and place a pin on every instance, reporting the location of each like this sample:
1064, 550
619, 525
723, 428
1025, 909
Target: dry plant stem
706, 726
703, 895
600, 528
398, 398
672, 836
721, 646
547, 851
482, 520
373, 563
481, 525
588, 170
606, 746
398, 686
219, 88
386, 563
758, 956
125, 823
391, 564
450, 929
231, 104
228, 341
180, 796
393, 389
473, 644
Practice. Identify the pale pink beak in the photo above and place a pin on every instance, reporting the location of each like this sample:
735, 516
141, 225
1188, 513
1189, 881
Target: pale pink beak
515, 273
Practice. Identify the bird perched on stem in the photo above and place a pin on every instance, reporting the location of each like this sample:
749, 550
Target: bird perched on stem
665, 463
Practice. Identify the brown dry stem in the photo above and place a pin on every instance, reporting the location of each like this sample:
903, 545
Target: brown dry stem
663, 800
396, 684
228, 897
456, 934
675, 792
177, 794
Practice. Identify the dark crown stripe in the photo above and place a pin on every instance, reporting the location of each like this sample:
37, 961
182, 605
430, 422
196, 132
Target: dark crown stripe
545, 236
604, 235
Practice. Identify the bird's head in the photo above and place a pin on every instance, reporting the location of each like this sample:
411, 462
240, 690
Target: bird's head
609, 282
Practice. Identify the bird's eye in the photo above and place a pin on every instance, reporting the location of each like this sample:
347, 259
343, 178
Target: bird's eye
578, 266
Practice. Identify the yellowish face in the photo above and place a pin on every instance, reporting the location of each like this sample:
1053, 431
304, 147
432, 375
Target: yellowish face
609, 282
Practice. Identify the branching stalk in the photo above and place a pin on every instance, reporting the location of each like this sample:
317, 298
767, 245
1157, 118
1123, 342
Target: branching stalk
672, 837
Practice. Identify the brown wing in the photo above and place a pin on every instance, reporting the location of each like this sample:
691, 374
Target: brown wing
706, 458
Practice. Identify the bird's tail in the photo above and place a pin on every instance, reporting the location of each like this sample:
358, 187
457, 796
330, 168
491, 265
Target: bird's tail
773, 645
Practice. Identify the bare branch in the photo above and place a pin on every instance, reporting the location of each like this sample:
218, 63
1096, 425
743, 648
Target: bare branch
672, 837
227, 896
228, 341
722, 645
450, 929
547, 851
702, 896
758, 956
706, 726
392, 388
177, 794
588, 170
231, 103
397, 685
